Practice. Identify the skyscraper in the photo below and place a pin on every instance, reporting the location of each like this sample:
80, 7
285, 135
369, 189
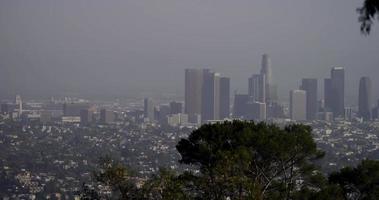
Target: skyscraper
266, 70
298, 104
335, 92
193, 91
310, 86
338, 89
19, 104
257, 87
148, 108
256, 111
240, 107
224, 97
209, 98
328, 94
212, 90
375, 111
364, 105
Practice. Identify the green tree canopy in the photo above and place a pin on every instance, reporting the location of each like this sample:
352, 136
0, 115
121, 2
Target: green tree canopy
242, 159
361, 182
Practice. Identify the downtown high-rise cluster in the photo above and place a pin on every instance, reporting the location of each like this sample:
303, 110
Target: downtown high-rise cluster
207, 98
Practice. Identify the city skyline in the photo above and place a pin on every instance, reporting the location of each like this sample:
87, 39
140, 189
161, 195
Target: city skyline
101, 50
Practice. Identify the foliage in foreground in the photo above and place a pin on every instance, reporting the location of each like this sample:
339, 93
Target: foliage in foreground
241, 160
367, 14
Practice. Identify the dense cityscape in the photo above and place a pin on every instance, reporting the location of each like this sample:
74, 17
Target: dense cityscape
50, 147
189, 100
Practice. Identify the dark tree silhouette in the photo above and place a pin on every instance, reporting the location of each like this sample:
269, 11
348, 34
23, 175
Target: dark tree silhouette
367, 14
361, 182
245, 160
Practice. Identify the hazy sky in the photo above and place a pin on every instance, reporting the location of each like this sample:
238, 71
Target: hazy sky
120, 47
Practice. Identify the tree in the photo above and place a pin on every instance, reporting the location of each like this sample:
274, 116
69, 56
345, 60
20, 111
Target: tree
165, 185
367, 14
361, 182
113, 175
240, 159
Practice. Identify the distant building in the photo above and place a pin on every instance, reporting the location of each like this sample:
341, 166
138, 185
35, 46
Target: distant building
86, 116
56, 109
364, 105
193, 91
70, 119
18, 103
177, 119
256, 111
338, 86
275, 110
266, 70
107, 116
164, 111
298, 105
325, 116
148, 109
257, 87
206, 94
210, 103
335, 92
7, 108
348, 114
328, 95
240, 107
310, 86
176, 107
375, 112
73, 109
224, 97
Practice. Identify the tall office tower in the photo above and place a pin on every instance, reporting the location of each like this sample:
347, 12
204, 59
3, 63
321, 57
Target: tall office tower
107, 116
310, 86
338, 89
328, 94
148, 108
375, 112
256, 111
266, 70
298, 99
224, 97
240, 106
193, 91
19, 104
364, 105
257, 87
176, 107
210, 104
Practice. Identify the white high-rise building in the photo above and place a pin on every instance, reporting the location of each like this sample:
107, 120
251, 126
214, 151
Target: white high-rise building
19, 104
298, 105
266, 68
